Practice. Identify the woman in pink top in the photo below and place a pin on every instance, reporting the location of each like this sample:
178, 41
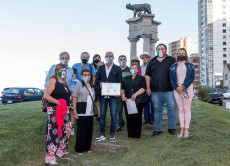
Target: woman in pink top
182, 75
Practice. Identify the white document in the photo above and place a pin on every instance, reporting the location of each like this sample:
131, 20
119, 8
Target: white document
131, 106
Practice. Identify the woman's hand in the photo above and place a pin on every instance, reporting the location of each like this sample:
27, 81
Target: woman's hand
76, 116
180, 89
124, 99
134, 97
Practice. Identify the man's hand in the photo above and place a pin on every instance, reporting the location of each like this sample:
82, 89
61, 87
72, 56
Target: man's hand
101, 84
148, 92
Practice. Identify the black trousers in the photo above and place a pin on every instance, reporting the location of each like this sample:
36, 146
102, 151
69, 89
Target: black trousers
84, 133
134, 122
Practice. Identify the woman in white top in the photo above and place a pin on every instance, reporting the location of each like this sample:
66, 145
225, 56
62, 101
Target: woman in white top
83, 98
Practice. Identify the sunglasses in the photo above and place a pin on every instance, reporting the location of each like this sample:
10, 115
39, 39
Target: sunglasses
135, 61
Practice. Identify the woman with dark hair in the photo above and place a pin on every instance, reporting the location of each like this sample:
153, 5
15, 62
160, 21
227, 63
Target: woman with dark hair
182, 75
96, 61
83, 98
132, 87
57, 94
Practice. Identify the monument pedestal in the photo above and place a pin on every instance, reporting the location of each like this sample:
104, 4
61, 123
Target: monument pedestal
143, 27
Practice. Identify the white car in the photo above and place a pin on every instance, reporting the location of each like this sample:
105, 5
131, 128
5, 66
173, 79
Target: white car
226, 94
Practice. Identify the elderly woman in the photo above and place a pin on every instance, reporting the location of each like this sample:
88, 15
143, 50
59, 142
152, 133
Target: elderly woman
132, 87
59, 126
83, 98
64, 58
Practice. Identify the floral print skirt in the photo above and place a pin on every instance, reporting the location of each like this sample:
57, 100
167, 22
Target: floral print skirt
55, 145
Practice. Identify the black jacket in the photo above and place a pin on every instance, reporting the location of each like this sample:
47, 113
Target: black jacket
115, 76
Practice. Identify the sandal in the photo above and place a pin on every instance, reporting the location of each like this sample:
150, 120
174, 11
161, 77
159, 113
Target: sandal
181, 134
186, 134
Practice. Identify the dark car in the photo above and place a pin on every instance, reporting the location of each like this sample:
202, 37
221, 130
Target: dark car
215, 98
18, 94
4, 90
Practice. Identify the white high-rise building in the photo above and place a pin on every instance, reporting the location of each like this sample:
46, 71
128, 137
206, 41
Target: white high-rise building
187, 43
214, 39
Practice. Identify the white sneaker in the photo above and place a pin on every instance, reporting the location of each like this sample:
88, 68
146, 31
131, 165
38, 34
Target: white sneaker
72, 131
100, 137
112, 138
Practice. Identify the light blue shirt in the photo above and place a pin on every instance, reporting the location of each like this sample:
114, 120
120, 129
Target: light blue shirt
78, 67
69, 77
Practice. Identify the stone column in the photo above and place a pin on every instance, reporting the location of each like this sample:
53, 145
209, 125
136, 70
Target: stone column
133, 47
146, 43
152, 47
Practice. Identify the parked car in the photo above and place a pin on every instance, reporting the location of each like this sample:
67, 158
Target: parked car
226, 94
5, 89
18, 94
215, 98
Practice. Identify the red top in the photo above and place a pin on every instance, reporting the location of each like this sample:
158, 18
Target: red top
139, 71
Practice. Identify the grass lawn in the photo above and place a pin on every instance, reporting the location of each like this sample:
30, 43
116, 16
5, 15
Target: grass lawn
23, 128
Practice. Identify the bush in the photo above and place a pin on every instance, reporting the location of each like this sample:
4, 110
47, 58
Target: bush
203, 93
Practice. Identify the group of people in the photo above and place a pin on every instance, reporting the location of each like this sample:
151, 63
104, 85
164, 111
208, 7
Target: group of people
71, 94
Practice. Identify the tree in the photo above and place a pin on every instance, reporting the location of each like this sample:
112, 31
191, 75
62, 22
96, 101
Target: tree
203, 93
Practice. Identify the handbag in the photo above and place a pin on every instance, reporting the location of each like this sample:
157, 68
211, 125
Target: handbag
95, 110
44, 105
140, 99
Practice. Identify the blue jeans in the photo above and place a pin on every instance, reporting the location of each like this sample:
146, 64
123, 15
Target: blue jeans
159, 98
120, 120
113, 104
149, 111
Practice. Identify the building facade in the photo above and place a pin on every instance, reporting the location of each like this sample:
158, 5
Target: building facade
214, 39
187, 43
194, 59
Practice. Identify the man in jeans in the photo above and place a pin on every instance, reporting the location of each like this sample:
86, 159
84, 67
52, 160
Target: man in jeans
125, 72
109, 73
148, 109
159, 86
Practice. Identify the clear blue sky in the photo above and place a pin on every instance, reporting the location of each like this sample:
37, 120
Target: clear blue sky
34, 32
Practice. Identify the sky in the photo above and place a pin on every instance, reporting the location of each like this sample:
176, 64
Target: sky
33, 33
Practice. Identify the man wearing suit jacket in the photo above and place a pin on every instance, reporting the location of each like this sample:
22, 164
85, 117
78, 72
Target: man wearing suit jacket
113, 74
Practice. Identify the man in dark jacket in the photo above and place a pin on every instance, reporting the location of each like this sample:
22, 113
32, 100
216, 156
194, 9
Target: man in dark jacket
159, 87
108, 73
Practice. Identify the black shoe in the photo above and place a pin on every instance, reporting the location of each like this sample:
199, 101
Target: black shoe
172, 131
98, 119
119, 129
146, 122
155, 133
151, 123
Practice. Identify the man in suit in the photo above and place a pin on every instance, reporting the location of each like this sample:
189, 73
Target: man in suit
109, 73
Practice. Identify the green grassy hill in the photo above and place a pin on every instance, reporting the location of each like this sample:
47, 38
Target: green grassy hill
23, 128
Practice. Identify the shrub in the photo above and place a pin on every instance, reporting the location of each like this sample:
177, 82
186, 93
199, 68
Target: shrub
203, 93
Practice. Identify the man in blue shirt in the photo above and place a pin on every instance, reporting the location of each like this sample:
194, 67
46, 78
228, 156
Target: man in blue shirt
64, 59
85, 65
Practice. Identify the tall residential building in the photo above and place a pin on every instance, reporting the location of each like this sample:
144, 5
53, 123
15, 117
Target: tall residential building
187, 43
194, 59
214, 39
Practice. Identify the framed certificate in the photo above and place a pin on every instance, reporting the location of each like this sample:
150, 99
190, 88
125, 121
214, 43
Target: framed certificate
111, 89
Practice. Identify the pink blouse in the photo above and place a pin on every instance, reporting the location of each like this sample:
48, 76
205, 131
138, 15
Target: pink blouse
181, 73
